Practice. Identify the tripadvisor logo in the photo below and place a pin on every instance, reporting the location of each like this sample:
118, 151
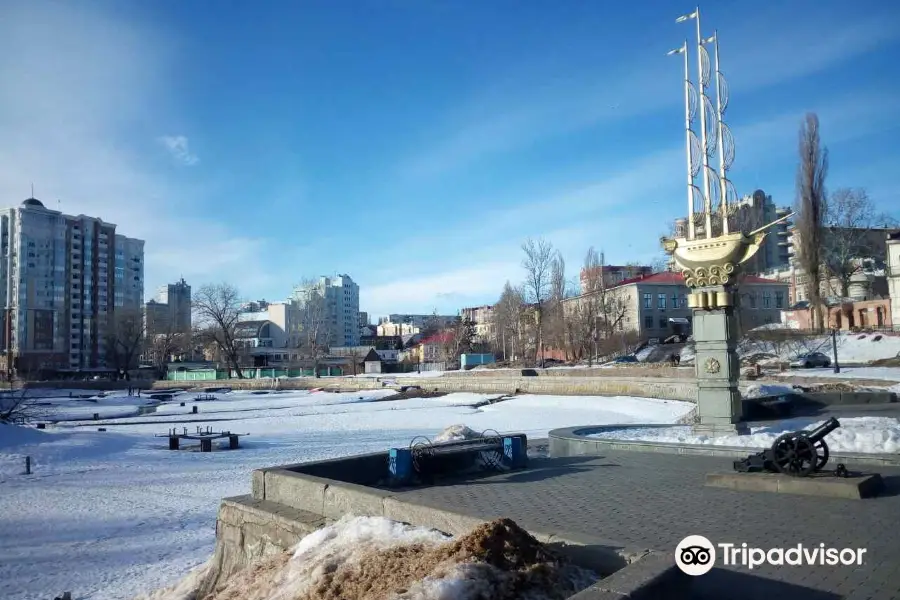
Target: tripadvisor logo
696, 555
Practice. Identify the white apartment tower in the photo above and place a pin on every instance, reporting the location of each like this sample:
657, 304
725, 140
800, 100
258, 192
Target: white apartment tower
64, 278
341, 296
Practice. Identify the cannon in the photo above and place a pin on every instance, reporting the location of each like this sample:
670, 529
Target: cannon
798, 453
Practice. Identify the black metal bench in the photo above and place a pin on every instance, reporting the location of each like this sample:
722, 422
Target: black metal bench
424, 460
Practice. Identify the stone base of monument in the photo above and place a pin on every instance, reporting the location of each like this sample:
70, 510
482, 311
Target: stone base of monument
856, 486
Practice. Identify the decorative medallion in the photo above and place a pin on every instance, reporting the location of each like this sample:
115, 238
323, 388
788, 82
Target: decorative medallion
712, 365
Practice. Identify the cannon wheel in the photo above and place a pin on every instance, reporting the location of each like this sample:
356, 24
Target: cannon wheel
794, 455
821, 450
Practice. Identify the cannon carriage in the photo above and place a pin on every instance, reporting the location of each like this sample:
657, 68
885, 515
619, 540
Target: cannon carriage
797, 453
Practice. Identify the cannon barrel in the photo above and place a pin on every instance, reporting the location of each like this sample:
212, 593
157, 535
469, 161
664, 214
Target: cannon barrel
824, 429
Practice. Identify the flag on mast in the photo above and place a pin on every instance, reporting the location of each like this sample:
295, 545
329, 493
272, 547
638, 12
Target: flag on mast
684, 18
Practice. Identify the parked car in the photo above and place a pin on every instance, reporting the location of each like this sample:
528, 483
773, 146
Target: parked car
810, 360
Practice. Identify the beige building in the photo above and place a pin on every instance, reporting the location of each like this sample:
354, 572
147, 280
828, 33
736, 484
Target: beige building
893, 274
656, 305
389, 329
483, 317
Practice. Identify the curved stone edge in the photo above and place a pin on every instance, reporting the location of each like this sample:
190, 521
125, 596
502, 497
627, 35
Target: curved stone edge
572, 441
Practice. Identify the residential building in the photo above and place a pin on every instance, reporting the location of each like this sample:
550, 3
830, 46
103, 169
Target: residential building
420, 321
170, 311
65, 278
129, 273
483, 318
388, 328
751, 212
341, 314
893, 273
613, 274
844, 314
363, 319
656, 305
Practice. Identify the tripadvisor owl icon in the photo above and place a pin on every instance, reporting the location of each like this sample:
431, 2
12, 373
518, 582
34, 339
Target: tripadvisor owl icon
695, 555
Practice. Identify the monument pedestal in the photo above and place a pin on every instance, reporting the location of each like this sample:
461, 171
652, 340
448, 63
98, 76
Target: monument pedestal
717, 366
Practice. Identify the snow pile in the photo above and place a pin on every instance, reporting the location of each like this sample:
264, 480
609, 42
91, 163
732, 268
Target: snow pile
857, 348
456, 433
874, 373
372, 557
761, 390
870, 435
186, 589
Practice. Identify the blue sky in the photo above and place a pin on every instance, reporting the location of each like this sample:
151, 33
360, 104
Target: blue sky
415, 144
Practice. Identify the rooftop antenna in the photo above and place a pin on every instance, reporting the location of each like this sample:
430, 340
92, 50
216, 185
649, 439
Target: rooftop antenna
32, 189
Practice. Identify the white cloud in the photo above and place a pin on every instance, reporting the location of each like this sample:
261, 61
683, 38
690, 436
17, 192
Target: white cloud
178, 147
91, 88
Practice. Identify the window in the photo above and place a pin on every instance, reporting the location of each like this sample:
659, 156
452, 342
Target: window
663, 323
675, 301
648, 321
779, 299
752, 298
661, 301
648, 300
767, 299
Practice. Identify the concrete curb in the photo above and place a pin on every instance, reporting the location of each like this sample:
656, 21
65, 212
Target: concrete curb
572, 441
629, 572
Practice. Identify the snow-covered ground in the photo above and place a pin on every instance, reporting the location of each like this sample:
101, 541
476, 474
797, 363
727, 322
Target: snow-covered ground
115, 513
857, 348
876, 373
876, 435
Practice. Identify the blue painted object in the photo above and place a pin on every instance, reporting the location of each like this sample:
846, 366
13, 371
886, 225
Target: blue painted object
515, 452
400, 465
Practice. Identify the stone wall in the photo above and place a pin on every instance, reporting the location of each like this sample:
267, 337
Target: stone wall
647, 387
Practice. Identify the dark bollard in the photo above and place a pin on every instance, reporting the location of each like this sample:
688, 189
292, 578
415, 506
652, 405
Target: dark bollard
195, 410
28, 465
233, 442
206, 445
173, 442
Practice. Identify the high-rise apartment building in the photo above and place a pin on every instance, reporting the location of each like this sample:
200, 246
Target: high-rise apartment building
64, 277
170, 310
341, 310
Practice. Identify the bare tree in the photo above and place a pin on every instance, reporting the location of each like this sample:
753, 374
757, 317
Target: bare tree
811, 210
217, 310
849, 242
508, 321
313, 322
125, 339
538, 265
160, 348
554, 312
18, 407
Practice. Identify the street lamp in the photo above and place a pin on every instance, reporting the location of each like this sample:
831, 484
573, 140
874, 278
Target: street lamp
834, 330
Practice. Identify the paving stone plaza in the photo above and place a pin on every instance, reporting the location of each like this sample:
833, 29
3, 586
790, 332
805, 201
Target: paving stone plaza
653, 501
